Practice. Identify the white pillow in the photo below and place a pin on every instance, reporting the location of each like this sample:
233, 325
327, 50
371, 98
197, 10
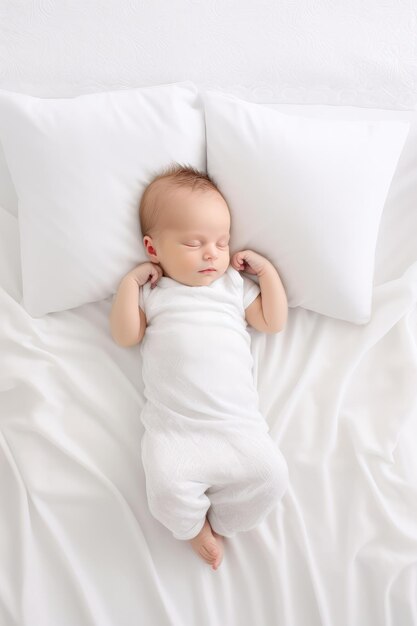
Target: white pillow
306, 193
79, 166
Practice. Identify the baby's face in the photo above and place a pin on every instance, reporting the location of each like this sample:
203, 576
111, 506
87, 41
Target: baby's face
194, 235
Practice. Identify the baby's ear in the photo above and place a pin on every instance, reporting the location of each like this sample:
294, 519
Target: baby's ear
150, 248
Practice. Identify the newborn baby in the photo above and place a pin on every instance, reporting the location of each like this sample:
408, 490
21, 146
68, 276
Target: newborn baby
211, 467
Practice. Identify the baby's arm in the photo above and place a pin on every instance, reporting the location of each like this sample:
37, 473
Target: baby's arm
268, 312
127, 320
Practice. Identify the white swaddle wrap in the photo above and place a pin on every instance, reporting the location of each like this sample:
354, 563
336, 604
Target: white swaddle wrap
197, 363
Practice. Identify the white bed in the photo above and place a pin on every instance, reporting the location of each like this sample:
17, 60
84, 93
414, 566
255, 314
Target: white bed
78, 545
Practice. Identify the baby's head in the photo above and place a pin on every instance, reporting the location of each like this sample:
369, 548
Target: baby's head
185, 223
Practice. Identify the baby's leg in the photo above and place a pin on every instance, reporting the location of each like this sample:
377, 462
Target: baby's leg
178, 502
175, 500
241, 506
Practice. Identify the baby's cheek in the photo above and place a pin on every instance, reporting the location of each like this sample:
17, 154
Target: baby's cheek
190, 261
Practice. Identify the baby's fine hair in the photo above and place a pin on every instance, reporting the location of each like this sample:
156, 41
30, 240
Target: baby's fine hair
176, 175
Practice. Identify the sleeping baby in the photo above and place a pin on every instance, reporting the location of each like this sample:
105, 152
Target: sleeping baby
211, 467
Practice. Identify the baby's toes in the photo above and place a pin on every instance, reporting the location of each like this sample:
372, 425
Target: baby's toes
210, 552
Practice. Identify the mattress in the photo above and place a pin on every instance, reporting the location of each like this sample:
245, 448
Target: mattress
78, 545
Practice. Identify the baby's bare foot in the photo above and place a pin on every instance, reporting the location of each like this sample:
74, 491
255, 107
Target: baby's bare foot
209, 545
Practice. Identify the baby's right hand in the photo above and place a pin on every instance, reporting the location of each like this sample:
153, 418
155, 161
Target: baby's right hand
146, 271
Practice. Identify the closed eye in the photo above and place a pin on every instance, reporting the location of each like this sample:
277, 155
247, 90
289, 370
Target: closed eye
196, 244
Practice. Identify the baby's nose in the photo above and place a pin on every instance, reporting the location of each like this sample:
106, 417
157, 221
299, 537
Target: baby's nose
210, 253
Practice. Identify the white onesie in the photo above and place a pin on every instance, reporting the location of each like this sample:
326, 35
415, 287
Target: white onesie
197, 362
203, 428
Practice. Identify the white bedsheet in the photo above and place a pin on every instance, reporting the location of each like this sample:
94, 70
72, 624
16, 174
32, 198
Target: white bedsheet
78, 546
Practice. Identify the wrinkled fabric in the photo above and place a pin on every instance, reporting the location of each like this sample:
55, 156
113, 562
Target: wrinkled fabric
78, 544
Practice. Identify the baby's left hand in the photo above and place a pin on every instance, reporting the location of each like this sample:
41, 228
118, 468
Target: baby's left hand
249, 261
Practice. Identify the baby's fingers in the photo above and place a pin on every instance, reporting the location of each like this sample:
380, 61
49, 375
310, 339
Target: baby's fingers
155, 276
237, 262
